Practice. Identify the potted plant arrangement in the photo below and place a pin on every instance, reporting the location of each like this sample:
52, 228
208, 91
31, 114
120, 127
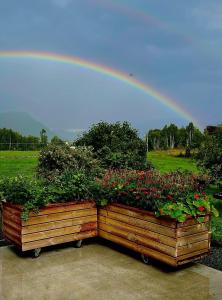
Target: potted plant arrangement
161, 216
55, 208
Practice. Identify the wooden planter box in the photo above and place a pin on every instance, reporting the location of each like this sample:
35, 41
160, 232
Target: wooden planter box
54, 224
163, 239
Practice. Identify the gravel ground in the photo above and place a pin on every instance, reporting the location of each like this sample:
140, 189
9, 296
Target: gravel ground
214, 260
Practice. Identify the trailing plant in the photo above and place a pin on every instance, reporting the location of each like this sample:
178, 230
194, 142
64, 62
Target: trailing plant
32, 194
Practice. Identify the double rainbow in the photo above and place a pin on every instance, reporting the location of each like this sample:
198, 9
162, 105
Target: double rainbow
105, 70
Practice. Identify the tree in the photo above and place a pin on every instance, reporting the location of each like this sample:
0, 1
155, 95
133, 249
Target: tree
209, 155
117, 145
43, 137
57, 141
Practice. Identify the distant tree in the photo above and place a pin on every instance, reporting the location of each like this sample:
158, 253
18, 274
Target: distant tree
117, 145
43, 137
209, 155
57, 141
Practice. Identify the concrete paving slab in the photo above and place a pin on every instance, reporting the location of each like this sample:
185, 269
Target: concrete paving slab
98, 271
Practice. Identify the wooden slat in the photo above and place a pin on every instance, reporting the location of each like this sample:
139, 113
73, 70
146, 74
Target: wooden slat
138, 230
12, 235
15, 240
193, 229
60, 216
140, 240
63, 207
138, 248
191, 257
193, 248
58, 240
140, 214
171, 232
186, 240
192, 221
58, 232
8, 216
13, 226
58, 224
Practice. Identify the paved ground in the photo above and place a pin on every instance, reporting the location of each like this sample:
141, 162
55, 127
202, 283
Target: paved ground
98, 271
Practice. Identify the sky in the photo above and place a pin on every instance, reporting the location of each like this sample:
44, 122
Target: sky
173, 45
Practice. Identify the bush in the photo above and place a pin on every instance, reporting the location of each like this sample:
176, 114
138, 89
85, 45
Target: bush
69, 186
116, 145
209, 156
55, 159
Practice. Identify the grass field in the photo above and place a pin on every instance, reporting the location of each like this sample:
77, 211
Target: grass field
13, 163
167, 161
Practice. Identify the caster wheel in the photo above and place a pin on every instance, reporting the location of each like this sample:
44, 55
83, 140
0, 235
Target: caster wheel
145, 259
36, 252
78, 244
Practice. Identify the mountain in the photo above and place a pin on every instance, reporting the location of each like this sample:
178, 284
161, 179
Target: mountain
23, 123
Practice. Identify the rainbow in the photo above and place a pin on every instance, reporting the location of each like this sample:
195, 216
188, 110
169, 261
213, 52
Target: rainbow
105, 70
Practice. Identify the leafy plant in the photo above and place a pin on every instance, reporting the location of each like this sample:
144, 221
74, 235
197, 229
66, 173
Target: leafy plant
195, 205
117, 145
56, 159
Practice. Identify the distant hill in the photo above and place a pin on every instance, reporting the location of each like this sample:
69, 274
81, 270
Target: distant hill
23, 123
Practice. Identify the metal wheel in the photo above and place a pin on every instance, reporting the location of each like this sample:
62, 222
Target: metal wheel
36, 252
78, 244
145, 259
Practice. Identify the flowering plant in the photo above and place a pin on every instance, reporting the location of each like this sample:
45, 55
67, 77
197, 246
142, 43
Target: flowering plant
195, 205
177, 194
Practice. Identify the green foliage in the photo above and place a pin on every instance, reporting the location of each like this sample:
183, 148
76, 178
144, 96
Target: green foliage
55, 159
170, 137
116, 145
17, 190
12, 140
196, 205
32, 194
209, 156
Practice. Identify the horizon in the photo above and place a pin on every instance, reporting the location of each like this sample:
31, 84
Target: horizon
138, 54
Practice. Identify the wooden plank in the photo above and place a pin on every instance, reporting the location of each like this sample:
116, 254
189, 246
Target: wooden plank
58, 240
58, 232
11, 225
60, 216
171, 232
138, 230
12, 235
189, 239
191, 248
140, 214
193, 229
13, 239
8, 216
140, 240
191, 256
192, 221
58, 224
63, 207
139, 248
13, 211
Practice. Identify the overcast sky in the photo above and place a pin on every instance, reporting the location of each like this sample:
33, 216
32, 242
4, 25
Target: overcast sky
174, 45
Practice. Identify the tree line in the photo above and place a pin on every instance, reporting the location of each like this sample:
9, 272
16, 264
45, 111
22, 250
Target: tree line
12, 140
170, 137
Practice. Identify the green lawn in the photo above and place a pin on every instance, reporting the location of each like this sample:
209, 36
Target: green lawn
13, 163
167, 161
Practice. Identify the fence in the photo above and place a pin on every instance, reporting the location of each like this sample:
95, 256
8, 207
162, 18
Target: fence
23, 146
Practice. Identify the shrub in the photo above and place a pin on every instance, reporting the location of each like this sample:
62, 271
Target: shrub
69, 186
55, 159
116, 145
